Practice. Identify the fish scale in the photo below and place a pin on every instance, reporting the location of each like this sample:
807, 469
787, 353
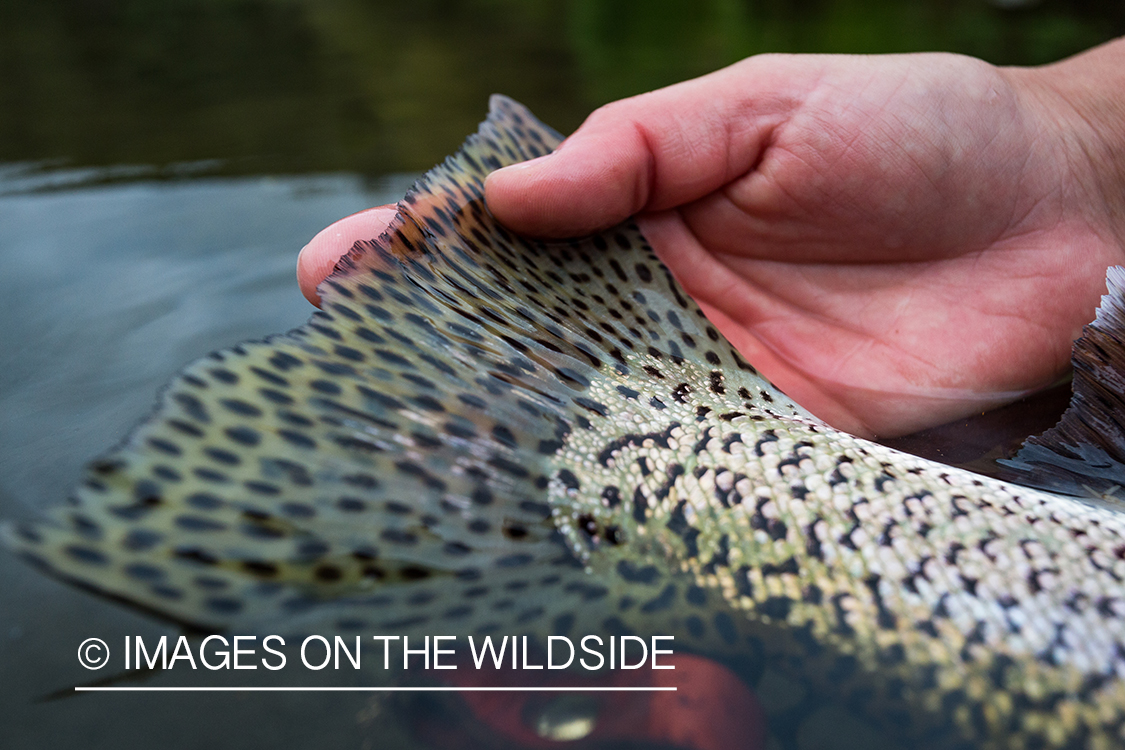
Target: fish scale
492, 434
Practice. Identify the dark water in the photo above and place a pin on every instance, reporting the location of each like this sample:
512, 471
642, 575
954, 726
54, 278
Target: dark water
162, 163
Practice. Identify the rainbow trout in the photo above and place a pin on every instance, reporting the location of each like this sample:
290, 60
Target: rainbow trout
482, 433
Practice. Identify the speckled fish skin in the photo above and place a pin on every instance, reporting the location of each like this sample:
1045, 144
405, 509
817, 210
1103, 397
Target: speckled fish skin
486, 434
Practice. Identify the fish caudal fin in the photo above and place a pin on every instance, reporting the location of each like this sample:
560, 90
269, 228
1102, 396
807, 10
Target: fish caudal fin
406, 458
1084, 454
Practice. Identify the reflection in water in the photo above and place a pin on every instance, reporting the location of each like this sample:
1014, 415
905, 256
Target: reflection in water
711, 709
563, 718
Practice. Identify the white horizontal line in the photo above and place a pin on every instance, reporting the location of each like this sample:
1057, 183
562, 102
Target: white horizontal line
442, 689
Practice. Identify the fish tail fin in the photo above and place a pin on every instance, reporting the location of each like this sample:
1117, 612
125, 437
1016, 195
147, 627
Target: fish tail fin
410, 457
1084, 454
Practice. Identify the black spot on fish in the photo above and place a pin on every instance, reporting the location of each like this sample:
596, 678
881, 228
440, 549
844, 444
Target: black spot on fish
86, 555
631, 573
241, 408
662, 602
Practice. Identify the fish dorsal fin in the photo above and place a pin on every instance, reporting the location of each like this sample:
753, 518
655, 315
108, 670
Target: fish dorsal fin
1084, 454
392, 463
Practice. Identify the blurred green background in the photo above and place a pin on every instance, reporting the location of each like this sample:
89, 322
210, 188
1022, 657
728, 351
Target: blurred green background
376, 87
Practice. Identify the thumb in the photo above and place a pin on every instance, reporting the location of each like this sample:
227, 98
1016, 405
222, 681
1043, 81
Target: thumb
595, 179
647, 153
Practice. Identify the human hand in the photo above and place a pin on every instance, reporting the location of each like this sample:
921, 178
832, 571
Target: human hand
894, 241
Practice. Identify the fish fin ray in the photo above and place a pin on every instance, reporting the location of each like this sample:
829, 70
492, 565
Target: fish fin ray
407, 446
1084, 454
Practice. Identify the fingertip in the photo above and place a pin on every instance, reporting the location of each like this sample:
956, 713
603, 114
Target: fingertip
318, 258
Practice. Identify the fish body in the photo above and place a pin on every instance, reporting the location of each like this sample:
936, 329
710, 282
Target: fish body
493, 434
